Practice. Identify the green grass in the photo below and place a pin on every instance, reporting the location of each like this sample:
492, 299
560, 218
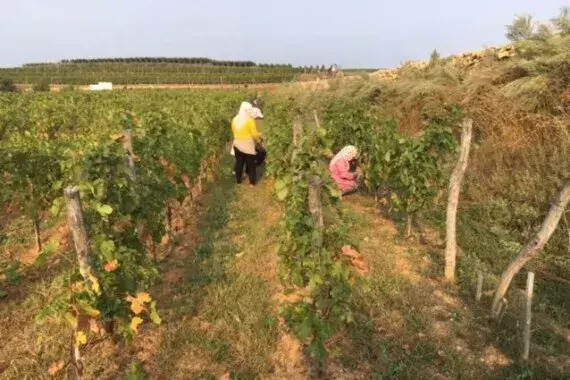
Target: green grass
225, 320
409, 325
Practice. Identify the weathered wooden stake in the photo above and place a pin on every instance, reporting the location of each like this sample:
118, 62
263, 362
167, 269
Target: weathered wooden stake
409, 222
128, 145
317, 121
453, 200
479, 290
533, 246
528, 315
316, 209
37, 234
297, 131
76, 223
503, 305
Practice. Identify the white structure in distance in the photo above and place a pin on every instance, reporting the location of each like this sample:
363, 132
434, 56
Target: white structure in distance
101, 86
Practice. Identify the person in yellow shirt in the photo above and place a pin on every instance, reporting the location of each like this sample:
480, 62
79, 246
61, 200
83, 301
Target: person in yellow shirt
246, 135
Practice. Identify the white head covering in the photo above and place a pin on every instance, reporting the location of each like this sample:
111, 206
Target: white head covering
347, 153
244, 113
256, 113
247, 111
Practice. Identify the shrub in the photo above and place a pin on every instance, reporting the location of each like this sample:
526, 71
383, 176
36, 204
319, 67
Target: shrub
41, 86
7, 85
562, 22
522, 28
434, 58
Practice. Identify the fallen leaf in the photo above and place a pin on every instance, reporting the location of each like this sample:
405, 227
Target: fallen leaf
348, 251
55, 367
111, 266
94, 326
225, 376
186, 179
135, 322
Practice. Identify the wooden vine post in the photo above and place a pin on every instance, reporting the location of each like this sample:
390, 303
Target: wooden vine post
128, 146
528, 315
37, 234
532, 247
453, 200
479, 292
316, 209
76, 223
316, 117
297, 131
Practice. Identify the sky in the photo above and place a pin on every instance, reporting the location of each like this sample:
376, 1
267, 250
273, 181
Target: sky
357, 33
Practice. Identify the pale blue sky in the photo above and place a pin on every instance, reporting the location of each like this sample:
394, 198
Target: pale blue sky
355, 33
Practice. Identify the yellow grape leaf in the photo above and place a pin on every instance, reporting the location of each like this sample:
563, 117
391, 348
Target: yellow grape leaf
136, 306
135, 322
78, 287
111, 266
55, 367
80, 338
71, 319
154, 317
117, 136
143, 297
89, 310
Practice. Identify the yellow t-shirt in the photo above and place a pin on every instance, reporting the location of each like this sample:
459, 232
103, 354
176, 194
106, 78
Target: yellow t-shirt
246, 130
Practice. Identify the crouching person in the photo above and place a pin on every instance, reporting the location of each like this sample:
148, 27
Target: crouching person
344, 169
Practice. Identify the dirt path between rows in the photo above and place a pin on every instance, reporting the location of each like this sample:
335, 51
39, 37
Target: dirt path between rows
220, 296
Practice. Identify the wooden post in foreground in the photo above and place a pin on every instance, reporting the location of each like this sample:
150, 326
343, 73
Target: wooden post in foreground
528, 315
297, 131
128, 146
532, 247
453, 200
76, 223
479, 286
37, 234
316, 117
316, 209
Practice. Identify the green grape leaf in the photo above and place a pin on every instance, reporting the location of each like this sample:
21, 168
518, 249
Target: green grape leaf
108, 249
104, 210
154, 317
282, 194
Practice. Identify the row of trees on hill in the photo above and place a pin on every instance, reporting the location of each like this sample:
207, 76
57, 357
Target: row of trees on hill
181, 60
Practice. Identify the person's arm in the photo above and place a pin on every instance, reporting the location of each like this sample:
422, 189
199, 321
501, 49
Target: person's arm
343, 170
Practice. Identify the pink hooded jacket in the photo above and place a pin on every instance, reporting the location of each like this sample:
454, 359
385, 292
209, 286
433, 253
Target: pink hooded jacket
340, 169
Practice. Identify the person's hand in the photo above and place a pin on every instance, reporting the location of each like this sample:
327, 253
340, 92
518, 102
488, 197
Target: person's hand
358, 175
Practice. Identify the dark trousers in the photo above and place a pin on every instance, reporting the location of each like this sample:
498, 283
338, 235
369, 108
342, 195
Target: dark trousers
247, 160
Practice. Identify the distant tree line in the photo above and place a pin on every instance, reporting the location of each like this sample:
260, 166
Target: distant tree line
181, 60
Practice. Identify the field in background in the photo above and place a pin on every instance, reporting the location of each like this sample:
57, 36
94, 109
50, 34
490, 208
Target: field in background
147, 73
